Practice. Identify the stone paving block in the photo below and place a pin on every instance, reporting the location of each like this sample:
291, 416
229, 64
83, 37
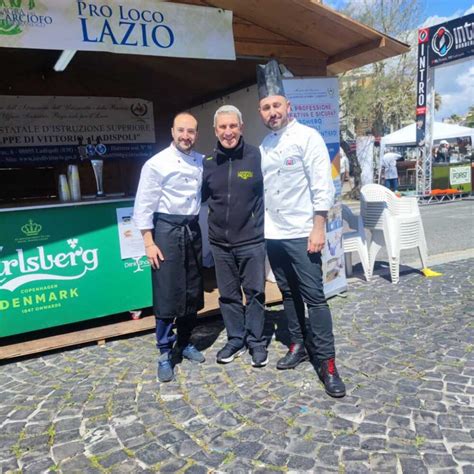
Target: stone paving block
10, 464
152, 454
251, 434
172, 466
273, 458
355, 467
328, 455
428, 431
300, 463
116, 457
211, 459
371, 429
438, 461
383, 462
354, 455
347, 440
412, 465
39, 466
79, 464
464, 453
67, 450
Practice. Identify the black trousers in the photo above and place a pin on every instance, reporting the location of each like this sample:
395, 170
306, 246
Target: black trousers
242, 268
299, 278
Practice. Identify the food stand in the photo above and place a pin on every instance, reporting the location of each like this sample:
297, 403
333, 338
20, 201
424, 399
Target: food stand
61, 262
454, 174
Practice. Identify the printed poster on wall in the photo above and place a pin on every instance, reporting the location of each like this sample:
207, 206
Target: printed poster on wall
315, 103
140, 27
130, 238
44, 129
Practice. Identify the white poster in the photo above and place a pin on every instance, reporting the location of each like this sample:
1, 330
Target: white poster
43, 129
315, 103
140, 27
130, 238
459, 175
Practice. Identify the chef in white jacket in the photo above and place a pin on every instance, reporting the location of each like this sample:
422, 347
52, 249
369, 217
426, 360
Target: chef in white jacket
166, 211
298, 192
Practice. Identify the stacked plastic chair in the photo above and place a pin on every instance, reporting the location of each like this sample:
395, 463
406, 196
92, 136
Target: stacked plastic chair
394, 222
355, 241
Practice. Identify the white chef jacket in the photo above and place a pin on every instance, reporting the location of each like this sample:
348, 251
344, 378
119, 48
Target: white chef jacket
297, 180
389, 164
170, 183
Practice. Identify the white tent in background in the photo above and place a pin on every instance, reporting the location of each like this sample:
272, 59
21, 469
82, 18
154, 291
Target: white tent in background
406, 136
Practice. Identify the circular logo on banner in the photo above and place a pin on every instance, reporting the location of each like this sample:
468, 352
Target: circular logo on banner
442, 42
100, 149
139, 109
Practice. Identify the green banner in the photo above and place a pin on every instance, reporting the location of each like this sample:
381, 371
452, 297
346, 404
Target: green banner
62, 264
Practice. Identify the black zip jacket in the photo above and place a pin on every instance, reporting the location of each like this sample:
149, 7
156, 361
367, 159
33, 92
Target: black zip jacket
233, 187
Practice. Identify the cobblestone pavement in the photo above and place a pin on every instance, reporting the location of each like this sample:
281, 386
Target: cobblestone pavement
405, 351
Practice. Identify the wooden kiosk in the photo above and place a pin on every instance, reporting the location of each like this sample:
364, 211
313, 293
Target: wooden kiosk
309, 38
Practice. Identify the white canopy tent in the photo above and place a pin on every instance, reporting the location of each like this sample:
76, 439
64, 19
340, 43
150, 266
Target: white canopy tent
406, 136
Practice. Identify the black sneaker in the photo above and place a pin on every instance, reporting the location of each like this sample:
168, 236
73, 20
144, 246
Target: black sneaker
259, 356
295, 355
228, 353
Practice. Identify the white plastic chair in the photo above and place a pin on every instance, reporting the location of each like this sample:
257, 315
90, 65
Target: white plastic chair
394, 222
355, 241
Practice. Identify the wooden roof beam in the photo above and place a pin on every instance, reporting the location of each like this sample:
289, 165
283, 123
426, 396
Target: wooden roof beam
356, 51
269, 50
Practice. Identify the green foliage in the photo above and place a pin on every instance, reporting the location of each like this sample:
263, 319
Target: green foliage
470, 117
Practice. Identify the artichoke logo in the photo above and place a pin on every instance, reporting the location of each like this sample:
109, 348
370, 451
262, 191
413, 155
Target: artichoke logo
8, 25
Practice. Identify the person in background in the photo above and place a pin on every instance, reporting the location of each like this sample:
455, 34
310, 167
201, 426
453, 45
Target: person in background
233, 188
344, 166
166, 211
443, 152
389, 167
298, 191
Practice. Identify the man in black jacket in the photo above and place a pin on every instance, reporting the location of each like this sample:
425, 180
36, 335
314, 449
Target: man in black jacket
233, 188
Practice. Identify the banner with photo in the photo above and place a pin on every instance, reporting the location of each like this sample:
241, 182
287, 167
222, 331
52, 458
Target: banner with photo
139, 27
44, 129
315, 103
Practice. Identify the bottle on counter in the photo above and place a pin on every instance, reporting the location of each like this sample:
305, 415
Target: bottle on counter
74, 182
63, 189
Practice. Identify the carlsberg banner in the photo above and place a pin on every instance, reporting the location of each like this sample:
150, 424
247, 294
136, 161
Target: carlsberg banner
139, 27
62, 265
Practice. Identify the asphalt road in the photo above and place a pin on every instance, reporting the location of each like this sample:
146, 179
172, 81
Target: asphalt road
449, 227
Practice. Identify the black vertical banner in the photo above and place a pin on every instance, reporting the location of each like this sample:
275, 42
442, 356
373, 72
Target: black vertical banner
421, 92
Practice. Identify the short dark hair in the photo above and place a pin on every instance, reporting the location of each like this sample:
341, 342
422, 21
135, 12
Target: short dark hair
186, 112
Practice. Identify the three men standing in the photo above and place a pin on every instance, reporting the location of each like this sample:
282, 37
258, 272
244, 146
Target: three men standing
292, 172
233, 188
166, 211
298, 193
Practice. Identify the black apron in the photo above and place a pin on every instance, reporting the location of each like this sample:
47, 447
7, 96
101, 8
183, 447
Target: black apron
177, 284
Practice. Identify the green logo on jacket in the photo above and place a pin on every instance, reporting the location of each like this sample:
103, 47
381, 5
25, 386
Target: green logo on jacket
245, 174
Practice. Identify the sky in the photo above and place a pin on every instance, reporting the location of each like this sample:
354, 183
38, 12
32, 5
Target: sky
455, 82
